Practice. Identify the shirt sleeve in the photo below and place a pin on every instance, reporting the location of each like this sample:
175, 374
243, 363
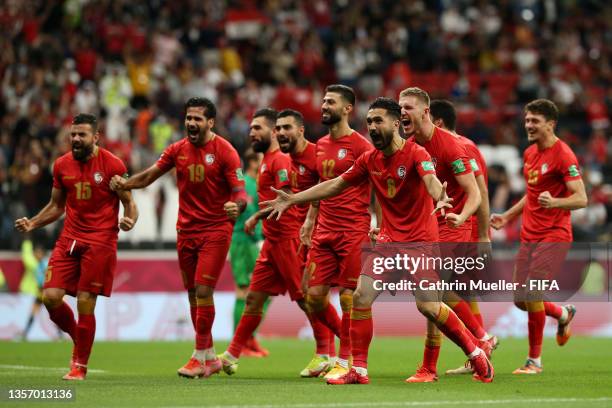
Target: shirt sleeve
233, 174
166, 160
357, 173
57, 183
280, 171
119, 168
474, 160
363, 147
422, 161
569, 166
457, 158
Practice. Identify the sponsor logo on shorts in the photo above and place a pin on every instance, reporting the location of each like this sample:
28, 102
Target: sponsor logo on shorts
68, 177
98, 177
48, 274
341, 154
98, 284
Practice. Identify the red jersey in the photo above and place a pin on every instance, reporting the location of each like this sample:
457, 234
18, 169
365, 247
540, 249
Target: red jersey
548, 170
450, 159
207, 177
403, 197
349, 210
479, 167
274, 172
92, 208
304, 175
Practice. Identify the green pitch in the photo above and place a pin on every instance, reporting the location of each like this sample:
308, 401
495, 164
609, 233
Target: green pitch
144, 375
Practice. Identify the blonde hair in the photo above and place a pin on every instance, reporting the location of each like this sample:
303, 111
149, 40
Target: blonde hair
417, 93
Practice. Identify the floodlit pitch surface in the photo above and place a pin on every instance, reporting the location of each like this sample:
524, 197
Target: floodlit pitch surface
144, 375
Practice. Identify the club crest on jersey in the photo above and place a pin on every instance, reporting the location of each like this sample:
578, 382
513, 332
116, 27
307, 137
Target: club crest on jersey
98, 177
301, 169
401, 172
544, 168
209, 158
341, 154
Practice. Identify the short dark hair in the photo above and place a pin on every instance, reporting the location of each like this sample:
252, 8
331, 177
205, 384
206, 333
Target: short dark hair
347, 93
544, 107
445, 110
269, 114
86, 119
392, 107
297, 116
210, 111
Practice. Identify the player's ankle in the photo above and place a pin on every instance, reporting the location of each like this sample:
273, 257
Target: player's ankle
361, 370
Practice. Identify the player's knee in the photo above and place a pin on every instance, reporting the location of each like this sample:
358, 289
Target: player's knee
316, 302
428, 309
254, 302
202, 291
361, 299
86, 302
521, 305
52, 298
346, 301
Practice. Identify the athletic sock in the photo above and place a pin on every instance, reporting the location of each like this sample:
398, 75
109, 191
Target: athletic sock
553, 310
85, 333
205, 316
361, 331
63, 317
432, 351
247, 326
536, 320
346, 301
449, 324
463, 312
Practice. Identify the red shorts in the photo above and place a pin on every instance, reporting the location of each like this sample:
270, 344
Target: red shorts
335, 258
202, 259
278, 269
461, 234
542, 260
79, 267
374, 265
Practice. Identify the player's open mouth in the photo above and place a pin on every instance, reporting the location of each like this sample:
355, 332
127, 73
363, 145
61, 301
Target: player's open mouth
406, 122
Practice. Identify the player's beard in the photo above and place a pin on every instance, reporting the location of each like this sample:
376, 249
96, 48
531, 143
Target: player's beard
332, 118
287, 146
261, 146
81, 151
381, 139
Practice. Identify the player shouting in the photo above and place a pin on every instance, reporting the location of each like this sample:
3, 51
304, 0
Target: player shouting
211, 196
404, 181
83, 261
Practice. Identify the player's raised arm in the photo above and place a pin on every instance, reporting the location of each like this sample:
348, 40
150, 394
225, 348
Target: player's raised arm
468, 183
499, 221
321, 191
483, 213
51, 212
137, 181
130, 210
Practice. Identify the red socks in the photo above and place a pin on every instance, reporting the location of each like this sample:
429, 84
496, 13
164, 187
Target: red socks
248, 324
85, 332
361, 331
432, 351
321, 334
346, 301
537, 319
63, 317
205, 315
463, 311
553, 310
330, 318
449, 324
476, 312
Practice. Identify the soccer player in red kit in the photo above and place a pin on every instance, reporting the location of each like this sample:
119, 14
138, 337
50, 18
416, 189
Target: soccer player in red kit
211, 196
303, 175
343, 222
554, 189
278, 268
404, 181
452, 166
83, 261
444, 115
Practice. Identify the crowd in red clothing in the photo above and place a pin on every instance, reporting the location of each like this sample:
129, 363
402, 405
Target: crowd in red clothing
135, 63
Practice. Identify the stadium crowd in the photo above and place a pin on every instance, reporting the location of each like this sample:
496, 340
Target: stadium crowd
135, 63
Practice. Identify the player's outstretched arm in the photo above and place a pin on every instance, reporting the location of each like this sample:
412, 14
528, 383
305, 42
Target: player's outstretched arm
130, 210
499, 221
437, 191
139, 180
321, 191
468, 183
578, 198
309, 223
51, 212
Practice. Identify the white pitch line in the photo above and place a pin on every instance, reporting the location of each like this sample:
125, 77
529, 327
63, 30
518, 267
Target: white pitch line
32, 368
418, 403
